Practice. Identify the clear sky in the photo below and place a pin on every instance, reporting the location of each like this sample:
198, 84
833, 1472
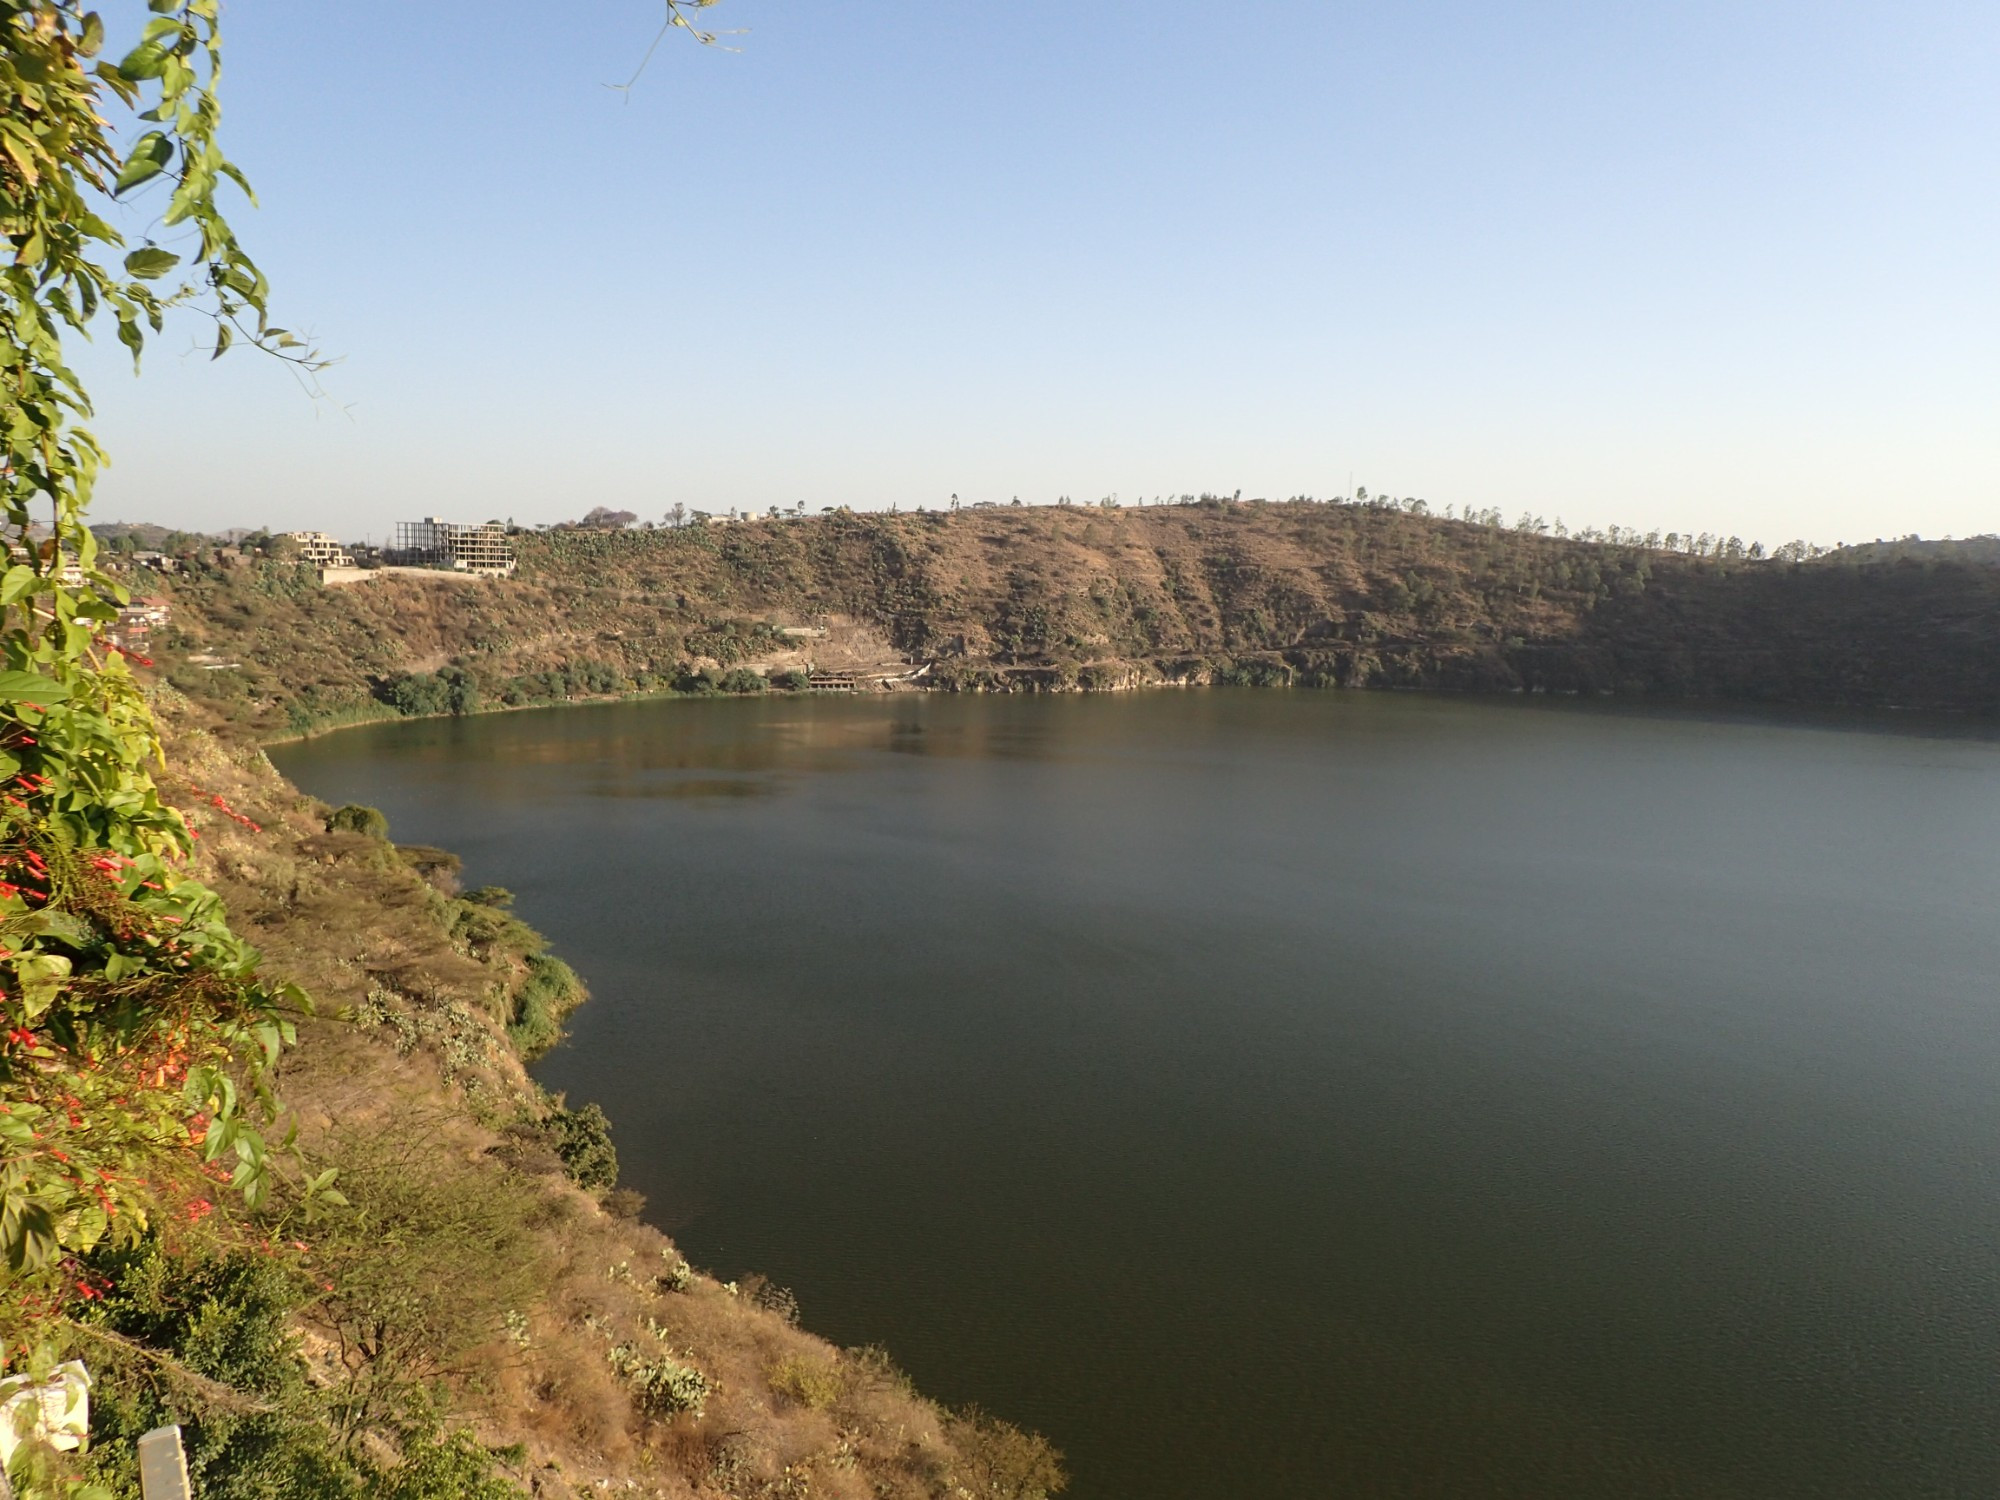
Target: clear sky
1725, 266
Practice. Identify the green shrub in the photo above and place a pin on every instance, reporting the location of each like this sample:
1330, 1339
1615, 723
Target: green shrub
222, 1361
813, 1383
354, 818
420, 694
582, 1138
549, 993
424, 1265
743, 680
1000, 1461
661, 1386
483, 926
445, 1467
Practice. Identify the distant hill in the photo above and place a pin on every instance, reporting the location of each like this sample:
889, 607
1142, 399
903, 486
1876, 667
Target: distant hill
1971, 549
148, 536
1057, 597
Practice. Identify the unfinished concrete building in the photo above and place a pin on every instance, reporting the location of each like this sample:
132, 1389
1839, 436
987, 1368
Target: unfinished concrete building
436, 543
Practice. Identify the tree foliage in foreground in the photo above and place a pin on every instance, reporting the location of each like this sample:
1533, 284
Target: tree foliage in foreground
137, 1037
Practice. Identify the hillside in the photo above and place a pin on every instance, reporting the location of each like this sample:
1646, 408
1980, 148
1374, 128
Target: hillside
486, 1296
1057, 597
1969, 549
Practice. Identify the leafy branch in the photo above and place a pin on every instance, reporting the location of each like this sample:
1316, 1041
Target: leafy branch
137, 1041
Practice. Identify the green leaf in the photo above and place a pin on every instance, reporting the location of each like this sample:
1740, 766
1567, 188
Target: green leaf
27, 1233
146, 60
17, 581
163, 7
151, 263
42, 977
148, 159
224, 337
30, 687
229, 170
93, 35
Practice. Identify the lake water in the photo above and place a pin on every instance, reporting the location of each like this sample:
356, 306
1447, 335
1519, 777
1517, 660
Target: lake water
1282, 1094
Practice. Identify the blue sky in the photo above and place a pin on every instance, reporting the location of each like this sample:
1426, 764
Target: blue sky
1729, 267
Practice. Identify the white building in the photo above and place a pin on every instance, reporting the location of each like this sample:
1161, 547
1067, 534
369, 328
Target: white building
320, 550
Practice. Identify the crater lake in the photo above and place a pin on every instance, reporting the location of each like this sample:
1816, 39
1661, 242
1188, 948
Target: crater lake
1271, 1094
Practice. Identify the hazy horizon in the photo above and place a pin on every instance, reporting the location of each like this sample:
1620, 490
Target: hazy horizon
1700, 269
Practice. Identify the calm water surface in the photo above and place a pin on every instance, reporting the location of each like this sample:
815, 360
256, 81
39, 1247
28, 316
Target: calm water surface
1273, 1094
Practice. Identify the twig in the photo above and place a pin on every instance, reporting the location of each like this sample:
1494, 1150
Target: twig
674, 18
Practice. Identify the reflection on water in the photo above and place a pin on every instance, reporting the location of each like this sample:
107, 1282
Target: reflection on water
618, 747
1278, 1095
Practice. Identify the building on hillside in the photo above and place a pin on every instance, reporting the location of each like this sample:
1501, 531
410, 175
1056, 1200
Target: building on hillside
136, 622
437, 543
69, 573
317, 549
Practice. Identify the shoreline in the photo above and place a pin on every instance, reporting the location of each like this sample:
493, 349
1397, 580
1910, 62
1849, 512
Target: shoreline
1906, 716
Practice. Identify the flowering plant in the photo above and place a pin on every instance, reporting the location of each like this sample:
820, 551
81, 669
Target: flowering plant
136, 1040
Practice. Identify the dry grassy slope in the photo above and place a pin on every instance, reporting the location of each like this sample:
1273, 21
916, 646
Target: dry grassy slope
1355, 595
327, 649
1055, 597
428, 1074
